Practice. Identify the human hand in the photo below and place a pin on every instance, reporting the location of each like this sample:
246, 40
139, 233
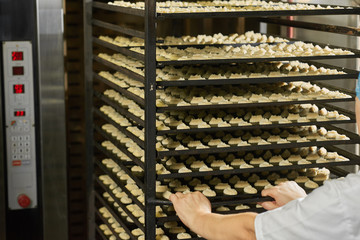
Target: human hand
190, 207
282, 194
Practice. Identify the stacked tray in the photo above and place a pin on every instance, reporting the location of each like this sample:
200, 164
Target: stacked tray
171, 115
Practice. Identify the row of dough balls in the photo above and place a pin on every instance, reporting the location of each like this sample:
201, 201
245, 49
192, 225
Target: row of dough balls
123, 61
269, 159
239, 185
126, 103
296, 49
218, 38
256, 137
118, 118
128, 143
222, 6
251, 118
122, 80
125, 200
227, 187
215, 95
254, 183
246, 94
239, 117
242, 70
120, 231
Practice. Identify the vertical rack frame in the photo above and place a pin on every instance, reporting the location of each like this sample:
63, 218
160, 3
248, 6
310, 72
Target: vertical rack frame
150, 118
90, 194
150, 32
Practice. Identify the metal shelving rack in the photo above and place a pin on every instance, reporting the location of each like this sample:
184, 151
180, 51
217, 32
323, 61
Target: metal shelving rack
148, 103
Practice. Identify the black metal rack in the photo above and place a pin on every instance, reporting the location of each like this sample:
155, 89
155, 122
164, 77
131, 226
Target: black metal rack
148, 103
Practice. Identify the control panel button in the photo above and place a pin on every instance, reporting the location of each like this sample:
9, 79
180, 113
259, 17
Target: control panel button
16, 163
23, 200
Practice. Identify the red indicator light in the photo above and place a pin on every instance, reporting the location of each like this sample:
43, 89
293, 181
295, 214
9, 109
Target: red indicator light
19, 113
18, 71
19, 88
17, 56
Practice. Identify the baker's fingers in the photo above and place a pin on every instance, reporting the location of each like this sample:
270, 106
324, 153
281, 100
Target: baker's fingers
270, 192
173, 198
269, 205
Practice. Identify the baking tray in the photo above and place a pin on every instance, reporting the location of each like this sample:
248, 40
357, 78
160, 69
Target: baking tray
123, 206
222, 106
352, 31
119, 146
349, 74
120, 109
122, 129
125, 167
123, 50
123, 91
242, 60
117, 28
233, 14
274, 125
118, 68
98, 214
226, 200
99, 232
126, 10
173, 218
122, 186
354, 139
113, 212
354, 160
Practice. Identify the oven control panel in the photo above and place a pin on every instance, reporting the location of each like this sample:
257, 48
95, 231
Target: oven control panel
18, 83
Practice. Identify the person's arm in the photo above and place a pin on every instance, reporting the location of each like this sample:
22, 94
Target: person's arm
357, 113
282, 194
194, 210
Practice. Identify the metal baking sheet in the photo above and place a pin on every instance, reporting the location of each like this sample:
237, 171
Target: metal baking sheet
267, 126
117, 181
227, 200
117, 28
349, 74
126, 10
122, 129
118, 108
354, 139
119, 146
255, 147
352, 10
125, 51
314, 26
222, 106
123, 91
113, 212
207, 82
353, 161
124, 167
242, 60
173, 218
99, 231
123, 206
118, 68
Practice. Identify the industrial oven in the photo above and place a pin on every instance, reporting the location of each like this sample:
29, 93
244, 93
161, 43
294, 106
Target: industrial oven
32, 124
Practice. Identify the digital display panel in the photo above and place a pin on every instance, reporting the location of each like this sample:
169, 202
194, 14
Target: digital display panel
17, 56
19, 89
19, 113
18, 71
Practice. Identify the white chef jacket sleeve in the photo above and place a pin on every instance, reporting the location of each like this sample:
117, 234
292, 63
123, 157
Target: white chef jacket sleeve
321, 215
